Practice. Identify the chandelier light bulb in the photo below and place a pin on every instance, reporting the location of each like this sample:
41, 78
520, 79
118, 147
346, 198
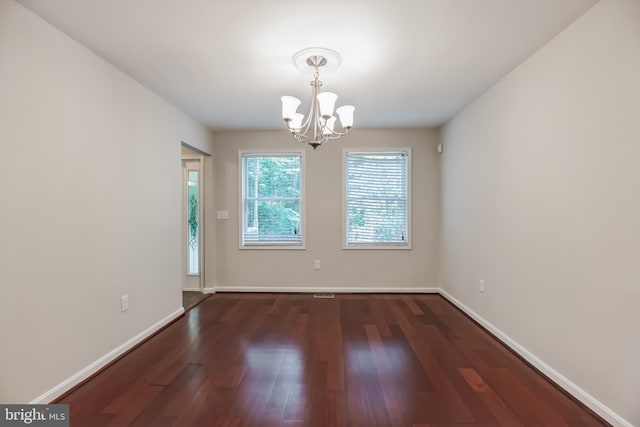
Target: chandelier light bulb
327, 101
328, 128
289, 107
296, 122
346, 115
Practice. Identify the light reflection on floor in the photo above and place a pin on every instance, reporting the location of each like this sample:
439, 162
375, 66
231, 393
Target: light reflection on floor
363, 359
194, 323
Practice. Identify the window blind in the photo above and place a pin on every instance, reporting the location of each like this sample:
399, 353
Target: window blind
377, 198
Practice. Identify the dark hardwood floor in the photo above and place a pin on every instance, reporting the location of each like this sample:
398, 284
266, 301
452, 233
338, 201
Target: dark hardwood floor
291, 360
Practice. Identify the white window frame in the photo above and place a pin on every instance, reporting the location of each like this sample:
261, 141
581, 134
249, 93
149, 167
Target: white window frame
382, 245
241, 178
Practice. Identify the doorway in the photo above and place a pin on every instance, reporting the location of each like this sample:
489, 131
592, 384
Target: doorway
192, 227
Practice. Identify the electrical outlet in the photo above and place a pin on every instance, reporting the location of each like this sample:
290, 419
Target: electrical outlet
124, 303
316, 264
481, 286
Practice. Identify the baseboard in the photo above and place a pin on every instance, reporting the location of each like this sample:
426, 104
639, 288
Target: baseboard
94, 367
331, 289
191, 289
563, 382
209, 290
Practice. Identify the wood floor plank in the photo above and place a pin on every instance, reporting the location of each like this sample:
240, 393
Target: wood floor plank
243, 360
498, 408
127, 414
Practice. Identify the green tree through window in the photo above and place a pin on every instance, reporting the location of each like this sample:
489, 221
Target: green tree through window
271, 198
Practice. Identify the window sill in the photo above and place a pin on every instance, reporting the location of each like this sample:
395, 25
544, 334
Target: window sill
384, 247
267, 246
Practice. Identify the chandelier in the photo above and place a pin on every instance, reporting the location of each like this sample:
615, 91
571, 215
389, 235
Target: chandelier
319, 125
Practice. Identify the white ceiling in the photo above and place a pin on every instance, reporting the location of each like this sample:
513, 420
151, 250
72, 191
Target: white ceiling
406, 63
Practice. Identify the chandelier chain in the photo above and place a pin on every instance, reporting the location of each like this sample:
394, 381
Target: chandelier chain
316, 78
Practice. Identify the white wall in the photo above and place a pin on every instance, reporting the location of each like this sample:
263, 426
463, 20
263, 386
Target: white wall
341, 269
541, 198
90, 187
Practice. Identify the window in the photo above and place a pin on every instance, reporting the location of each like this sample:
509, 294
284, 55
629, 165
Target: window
193, 232
377, 202
272, 202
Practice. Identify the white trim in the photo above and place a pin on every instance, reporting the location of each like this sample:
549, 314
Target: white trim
378, 246
560, 380
209, 290
94, 367
271, 246
331, 289
192, 289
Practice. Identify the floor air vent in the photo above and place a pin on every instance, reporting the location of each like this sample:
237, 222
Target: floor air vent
324, 295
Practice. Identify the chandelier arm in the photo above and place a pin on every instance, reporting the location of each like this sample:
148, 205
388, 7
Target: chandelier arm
336, 134
320, 125
316, 83
307, 122
303, 138
339, 134
312, 141
312, 109
315, 118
